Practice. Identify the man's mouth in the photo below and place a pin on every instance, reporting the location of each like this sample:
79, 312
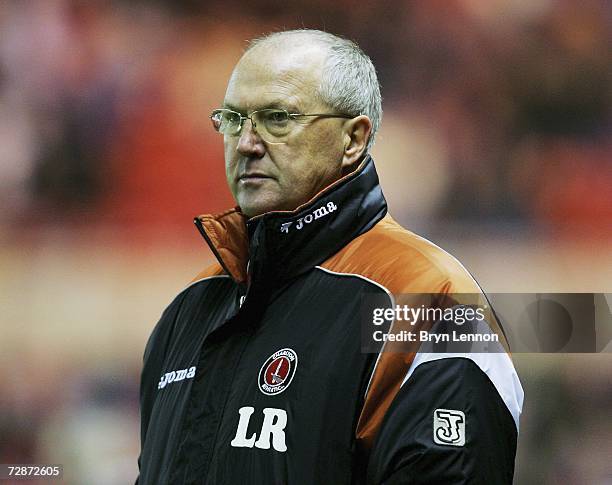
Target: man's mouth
253, 177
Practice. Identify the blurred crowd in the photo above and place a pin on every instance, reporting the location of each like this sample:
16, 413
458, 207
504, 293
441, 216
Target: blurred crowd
506, 106
497, 113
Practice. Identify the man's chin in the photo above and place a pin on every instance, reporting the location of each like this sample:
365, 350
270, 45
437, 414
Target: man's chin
252, 208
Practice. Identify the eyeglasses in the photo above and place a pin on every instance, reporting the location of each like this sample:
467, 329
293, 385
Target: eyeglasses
273, 125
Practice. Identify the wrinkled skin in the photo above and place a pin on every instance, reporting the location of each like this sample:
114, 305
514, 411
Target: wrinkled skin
264, 177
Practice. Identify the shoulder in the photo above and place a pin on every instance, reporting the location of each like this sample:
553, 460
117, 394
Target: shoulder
211, 270
402, 261
190, 296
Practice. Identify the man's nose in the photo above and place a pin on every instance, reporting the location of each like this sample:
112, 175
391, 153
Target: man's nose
250, 143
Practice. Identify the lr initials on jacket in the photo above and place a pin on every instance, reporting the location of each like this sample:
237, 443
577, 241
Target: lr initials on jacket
273, 426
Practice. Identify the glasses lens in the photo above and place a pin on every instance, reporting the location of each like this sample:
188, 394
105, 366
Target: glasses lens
226, 121
216, 120
272, 123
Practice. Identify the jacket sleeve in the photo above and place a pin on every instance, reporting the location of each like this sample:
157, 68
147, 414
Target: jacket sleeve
450, 423
146, 387
145, 394
153, 359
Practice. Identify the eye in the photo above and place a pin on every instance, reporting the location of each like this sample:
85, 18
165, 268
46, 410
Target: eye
277, 117
230, 117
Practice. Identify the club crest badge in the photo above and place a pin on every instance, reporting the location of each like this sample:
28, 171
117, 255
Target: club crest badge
277, 372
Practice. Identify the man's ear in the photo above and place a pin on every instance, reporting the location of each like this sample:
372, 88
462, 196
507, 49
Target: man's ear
356, 135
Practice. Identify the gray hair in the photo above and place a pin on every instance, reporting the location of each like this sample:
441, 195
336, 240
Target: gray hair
349, 82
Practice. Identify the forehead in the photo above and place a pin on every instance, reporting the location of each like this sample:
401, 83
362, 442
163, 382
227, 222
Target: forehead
275, 75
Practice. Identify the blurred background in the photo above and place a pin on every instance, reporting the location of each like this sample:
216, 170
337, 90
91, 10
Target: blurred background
495, 144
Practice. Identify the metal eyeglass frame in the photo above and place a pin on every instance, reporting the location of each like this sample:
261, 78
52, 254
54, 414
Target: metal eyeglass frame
293, 116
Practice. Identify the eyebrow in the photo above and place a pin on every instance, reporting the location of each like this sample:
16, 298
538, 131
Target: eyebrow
232, 107
272, 105
282, 105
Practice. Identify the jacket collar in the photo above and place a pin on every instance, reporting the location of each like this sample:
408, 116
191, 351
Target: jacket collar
280, 245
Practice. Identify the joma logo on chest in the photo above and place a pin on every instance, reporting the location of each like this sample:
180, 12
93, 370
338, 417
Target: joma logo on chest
175, 376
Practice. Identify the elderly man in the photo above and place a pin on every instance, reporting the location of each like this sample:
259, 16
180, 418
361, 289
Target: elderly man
257, 372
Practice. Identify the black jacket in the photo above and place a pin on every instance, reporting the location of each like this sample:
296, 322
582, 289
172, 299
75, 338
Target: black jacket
258, 371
